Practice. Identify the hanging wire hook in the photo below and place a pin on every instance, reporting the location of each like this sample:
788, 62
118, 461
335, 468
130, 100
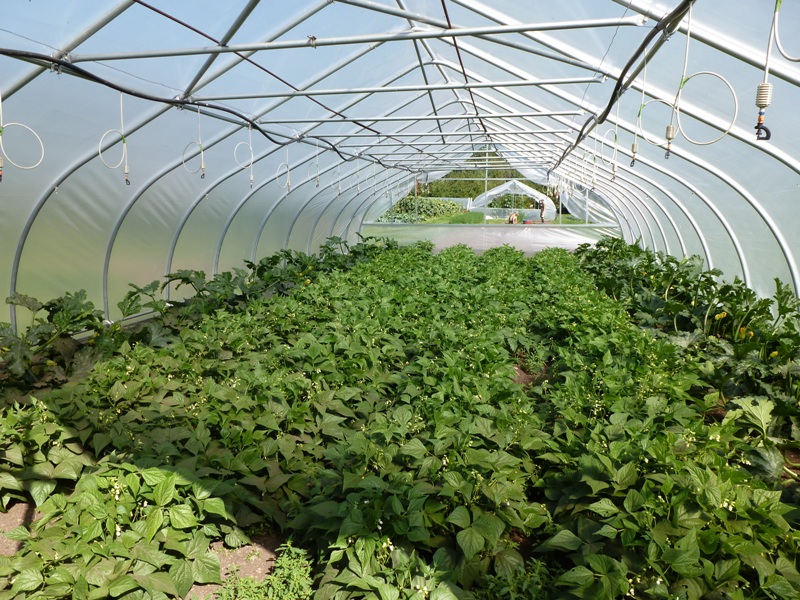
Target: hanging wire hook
249, 145
199, 144
676, 114
3, 127
123, 160
288, 185
764, 90
315, 165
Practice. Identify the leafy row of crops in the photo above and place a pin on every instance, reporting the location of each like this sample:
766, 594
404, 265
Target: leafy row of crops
411, 209
429, 426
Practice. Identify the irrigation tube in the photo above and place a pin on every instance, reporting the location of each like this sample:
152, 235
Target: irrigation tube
783, 158
667, 24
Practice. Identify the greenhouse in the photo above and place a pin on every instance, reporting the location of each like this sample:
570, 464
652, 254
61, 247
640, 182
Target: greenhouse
212, 332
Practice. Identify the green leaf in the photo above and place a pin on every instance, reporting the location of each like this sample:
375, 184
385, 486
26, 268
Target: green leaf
726, 569
388, 592
121, 585
13, 454
470, 541
415, 448
460, 517
626, 476
563, 540
489, 526
9, 482
132, 479
154, 521
99, 441
443, 592
508, 563
26, 301
757, 410
685, 556
216, 506
164, 491
604, 507
634, 500
18, 534
236, 537
27, 580
40, 490
153, 476
206, 569
182, 517
162, 582
782, 587
767, 462
197, 546
182, 575
577, 576
328, 508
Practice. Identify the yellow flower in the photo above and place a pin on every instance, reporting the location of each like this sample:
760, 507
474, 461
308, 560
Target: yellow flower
773, 354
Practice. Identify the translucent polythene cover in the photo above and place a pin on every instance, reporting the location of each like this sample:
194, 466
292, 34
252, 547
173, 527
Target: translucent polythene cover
139, 138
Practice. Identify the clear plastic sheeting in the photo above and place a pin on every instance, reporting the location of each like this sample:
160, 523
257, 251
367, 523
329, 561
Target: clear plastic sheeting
143, 137
587, 206
528, 238
517, 188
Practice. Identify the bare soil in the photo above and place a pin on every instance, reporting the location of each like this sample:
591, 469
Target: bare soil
525, 378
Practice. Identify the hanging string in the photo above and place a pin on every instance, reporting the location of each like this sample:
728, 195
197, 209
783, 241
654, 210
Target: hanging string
249, 145
199, 144
4, 152
123, 160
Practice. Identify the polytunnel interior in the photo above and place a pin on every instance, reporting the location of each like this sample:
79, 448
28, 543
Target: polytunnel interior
139, 138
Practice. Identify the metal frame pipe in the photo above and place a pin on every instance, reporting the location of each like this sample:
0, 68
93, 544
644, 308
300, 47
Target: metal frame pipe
401, 88
379, 119
396, 36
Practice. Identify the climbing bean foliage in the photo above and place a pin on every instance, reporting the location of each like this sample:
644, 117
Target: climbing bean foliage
655, 494
371, 414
